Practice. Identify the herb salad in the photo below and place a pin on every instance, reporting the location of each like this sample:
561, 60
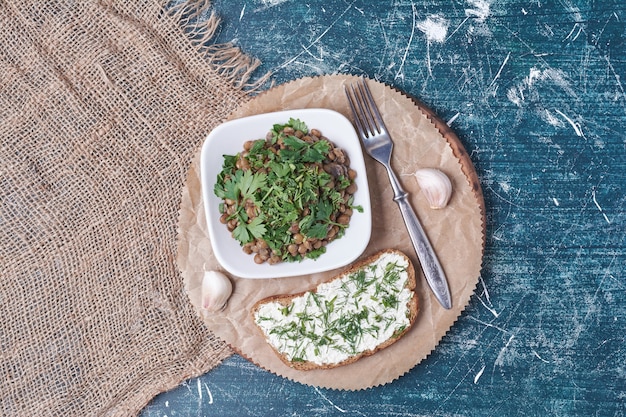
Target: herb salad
285, 197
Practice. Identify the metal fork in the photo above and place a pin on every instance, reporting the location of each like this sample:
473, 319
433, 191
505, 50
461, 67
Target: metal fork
378, 144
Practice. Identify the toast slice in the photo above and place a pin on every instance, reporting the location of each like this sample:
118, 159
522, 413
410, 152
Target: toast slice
364, 309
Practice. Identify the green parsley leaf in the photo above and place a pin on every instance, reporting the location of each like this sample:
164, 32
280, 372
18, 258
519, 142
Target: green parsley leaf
242, 234
280, 169
228, 190
297, 124
249, 183
322, 146
295, 143
247, 232
318, 231
298, 150
256, 227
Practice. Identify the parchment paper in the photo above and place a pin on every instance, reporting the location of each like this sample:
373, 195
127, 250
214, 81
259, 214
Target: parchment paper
456, 232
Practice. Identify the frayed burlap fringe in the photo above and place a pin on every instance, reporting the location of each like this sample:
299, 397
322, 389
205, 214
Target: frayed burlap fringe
103, 106
229, 61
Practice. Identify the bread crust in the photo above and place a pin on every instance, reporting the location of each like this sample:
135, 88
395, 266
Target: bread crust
413, 307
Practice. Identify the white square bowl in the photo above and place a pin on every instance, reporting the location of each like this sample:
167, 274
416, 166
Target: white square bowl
228, 139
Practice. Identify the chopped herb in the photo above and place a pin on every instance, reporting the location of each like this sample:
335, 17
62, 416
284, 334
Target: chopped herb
352, 315
286, 194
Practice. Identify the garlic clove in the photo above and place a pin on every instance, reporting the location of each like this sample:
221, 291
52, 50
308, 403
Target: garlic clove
216, 290
435, 185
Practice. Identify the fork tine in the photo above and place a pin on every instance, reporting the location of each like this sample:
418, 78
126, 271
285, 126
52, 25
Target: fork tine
352, 102
367, 117
379, 126
366, 108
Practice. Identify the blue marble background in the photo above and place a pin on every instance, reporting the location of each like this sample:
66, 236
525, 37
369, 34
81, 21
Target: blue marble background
536, 92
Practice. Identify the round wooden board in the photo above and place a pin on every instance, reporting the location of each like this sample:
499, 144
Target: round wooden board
457, 233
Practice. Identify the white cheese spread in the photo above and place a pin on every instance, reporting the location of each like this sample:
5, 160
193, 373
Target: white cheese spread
344, 317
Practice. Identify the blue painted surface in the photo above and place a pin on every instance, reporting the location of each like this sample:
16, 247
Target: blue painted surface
536, 92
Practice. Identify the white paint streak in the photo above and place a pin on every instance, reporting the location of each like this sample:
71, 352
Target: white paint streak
435, 27
500, 359
593, 195
573, 9
516, 94
479, 374
533, 75
186, 385
489, 325
575, 125
551, 119
540, 358
428, 65
569, 35
316, 40
206, 387
488, 304
272, 3
485, 292
500, 70
480, 10
320, 58
556, 76
513, 94
341, 410
199, 387
453, 118
457, 28
491, 309
615, 74
400, 73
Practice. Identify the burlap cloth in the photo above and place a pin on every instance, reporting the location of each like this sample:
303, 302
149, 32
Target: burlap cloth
102, 107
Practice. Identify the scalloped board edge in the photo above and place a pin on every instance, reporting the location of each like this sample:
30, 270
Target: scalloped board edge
469, 173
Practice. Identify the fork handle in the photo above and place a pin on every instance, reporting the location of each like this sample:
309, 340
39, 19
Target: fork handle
433, 272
